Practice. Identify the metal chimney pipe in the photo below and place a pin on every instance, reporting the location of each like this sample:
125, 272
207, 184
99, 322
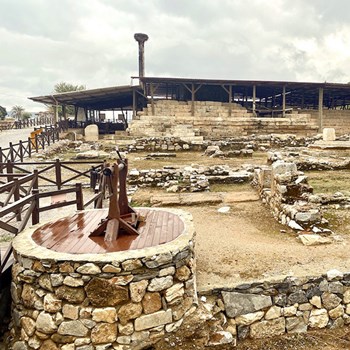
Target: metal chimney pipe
141, 38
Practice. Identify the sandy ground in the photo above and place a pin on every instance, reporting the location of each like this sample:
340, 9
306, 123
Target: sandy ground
247, 244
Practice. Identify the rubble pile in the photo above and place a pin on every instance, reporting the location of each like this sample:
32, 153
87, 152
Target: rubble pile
192, 178
310, 160
286, 191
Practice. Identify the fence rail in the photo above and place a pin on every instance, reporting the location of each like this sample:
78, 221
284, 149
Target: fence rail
16, 152
55, 173
29, 206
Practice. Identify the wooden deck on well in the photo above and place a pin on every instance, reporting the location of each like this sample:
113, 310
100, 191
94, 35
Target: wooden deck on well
71, 234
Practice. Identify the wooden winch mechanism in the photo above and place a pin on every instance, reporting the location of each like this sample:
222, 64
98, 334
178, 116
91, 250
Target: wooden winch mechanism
121, 218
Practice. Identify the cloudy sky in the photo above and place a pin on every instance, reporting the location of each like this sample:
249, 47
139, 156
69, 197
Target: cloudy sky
90, 42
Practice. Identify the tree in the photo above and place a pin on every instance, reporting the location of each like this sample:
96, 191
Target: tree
26, 115
3, 112
63, 87
67, 87
17, 112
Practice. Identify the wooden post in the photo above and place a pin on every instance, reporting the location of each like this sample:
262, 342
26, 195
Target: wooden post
192, 100
21, 150
1, 161
35, 213
254, 99
29, 147
133, 105
36, 143
230, 100
64, 114
320, 109
58, 174
284, 101
16, 198
76, 110
79, 195
152, 102
36, 179
11, 152
9, 170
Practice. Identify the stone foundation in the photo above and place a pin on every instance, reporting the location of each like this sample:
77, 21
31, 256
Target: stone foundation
213, 119
263, 309
286, 191
120, 300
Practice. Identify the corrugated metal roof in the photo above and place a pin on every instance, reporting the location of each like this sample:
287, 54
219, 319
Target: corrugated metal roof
98, 99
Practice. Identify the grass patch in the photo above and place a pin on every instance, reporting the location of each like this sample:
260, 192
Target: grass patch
339, 220
329, 181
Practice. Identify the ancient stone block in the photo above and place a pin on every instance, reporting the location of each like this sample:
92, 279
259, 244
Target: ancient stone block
51, 303
160, 283
174, 292
273, 312
28, 325
91, 133
73, 282
240, 304
138, 290
70, 311
45, 282
318, 318
29, 297
151, 303
266, 329
247, 319
104, 333
153, 320
129, 311
103, 293
296, 325
328, 134
132, 264
330, 300
107, 315
183, 273
89, 269
336, 312
71, 294
75, 328
45, 323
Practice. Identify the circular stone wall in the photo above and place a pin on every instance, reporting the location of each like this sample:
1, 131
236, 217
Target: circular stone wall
112, 300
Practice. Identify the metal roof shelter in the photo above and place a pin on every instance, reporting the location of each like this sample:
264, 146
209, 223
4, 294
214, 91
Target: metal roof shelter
261, 97
95, 99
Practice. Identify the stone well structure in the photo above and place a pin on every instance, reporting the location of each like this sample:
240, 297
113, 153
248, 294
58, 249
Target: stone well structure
124, 299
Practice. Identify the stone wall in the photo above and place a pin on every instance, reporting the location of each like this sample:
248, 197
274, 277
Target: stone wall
177, 144
193, 178
339, 119
96, 301
212, 119
290, 305
285, 190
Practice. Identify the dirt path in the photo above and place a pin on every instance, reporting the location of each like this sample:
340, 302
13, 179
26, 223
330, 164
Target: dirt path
247, 244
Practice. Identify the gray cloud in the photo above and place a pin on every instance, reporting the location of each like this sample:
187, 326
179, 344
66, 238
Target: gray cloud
91, 42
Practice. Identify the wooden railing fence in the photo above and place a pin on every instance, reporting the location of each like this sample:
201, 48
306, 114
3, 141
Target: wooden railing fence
16, 152
55, 173
23, 201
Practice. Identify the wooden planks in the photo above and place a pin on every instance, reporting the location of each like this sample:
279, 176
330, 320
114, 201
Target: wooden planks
72, 234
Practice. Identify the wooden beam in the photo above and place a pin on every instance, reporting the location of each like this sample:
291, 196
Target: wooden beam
320, 109
254, 99
193, 92
284, 101
152, 102
230, 100
133, 104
